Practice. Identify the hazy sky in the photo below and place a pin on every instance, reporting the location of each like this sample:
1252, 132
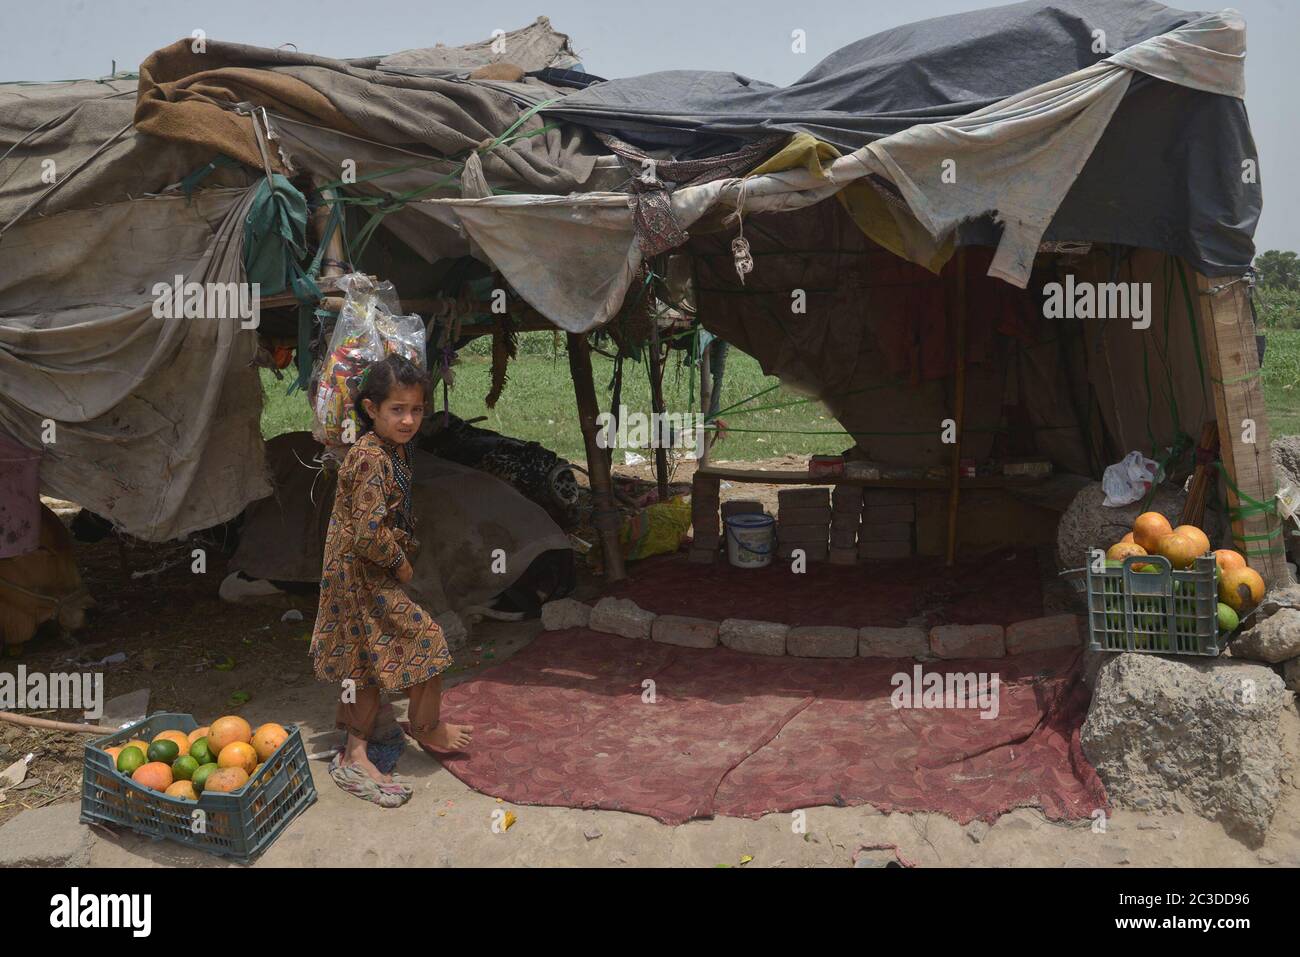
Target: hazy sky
64, 39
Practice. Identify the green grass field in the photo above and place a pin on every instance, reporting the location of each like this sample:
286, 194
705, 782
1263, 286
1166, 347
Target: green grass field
538, 402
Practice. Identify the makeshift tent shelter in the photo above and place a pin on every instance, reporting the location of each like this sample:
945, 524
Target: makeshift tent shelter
1116, 127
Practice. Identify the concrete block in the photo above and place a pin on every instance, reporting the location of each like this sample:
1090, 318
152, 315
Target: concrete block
820, 515
685, 631
887, 532
883, 551
968, 641
844, 556
879, 514
803, 497
621, 616
813, 551
845, 538
847, 499
874, 642
822, 641
873, 497
703, 556
741, 506
1038, 634
794, 534
754, 637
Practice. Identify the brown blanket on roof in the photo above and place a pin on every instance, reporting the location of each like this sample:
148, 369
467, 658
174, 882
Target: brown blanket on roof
184, 97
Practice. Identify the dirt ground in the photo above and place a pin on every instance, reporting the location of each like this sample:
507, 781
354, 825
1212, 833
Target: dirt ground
193, 652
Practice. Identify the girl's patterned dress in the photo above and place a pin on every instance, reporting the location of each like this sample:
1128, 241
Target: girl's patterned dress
366, 627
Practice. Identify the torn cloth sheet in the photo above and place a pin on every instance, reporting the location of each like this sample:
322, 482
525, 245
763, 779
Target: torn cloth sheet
155, 420
1017, 158
463, 516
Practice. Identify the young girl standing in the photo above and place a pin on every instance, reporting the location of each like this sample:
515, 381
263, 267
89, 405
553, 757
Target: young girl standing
367, 630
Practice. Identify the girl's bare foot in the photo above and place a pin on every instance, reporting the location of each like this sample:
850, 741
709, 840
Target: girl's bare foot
356, 757
448, 737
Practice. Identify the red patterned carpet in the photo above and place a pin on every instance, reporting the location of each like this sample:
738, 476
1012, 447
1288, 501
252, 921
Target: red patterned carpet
563, 722
1000, 589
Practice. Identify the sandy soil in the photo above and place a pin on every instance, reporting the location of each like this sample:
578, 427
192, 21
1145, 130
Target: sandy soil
176, 631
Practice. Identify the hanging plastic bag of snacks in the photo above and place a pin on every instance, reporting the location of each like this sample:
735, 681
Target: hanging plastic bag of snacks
370, 326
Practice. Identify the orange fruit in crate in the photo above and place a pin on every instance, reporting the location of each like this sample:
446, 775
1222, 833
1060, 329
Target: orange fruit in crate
1149, 528
1127, 539
1195, 534
228, 730
154, 775
138, 743
182, 789
225, 780
198, 733
1122, 550
238, 754
267, 738
179, 738
1241, 589
1227, 559
1180, 549
113, 753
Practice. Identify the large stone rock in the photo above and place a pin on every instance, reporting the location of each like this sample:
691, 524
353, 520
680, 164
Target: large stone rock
621, 616
968, 641
565, 613
1275, 639
1087, 523
1198, 736
822, 641
685, 631
50, 836
1291, 674
879, 642
754, 637
1051, 631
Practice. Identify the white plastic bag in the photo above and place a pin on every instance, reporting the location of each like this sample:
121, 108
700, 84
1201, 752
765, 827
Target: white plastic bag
368, 329
1129, 479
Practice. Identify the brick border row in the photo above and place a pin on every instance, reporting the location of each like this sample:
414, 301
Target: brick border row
623, 617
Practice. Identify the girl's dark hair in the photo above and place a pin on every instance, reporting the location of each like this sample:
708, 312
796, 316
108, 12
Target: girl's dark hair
380, 378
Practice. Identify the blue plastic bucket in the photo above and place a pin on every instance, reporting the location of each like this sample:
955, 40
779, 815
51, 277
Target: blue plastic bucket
749, 540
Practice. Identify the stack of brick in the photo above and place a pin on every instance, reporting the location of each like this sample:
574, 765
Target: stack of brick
706, 527
803, 521
846, 516
888, 524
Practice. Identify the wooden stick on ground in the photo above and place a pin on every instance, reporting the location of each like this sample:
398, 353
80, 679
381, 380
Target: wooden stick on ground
49, 725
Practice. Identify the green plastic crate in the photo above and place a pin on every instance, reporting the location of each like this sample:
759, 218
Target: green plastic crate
239, 824
1166, 612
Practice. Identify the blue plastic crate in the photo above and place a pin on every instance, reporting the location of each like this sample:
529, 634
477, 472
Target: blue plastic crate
239, 824
1165, 612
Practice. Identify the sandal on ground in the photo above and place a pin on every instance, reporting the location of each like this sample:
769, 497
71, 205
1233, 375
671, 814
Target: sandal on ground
356, 782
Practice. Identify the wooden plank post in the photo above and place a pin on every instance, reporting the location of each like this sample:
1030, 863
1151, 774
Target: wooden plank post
658, 407
605, 517
1228, 332
706, 399
958, 312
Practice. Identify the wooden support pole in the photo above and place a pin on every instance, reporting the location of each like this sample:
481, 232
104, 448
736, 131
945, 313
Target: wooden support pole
334, 250
1228, 332
605, 516
657, 406
957, 309
706, 399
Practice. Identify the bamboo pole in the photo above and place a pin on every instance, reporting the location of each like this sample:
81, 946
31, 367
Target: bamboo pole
958, 313
605, 516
